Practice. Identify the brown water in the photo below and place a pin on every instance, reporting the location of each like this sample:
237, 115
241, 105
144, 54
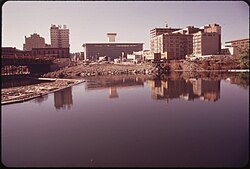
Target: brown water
131, 122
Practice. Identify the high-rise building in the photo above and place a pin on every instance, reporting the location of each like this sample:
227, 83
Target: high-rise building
34, 41
59, 36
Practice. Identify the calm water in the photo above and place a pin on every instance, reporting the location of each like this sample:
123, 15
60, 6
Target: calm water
131, 122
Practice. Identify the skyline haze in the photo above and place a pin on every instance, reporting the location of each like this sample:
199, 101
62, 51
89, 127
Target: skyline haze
132, 20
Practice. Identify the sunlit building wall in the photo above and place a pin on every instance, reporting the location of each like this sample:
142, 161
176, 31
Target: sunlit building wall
34, 41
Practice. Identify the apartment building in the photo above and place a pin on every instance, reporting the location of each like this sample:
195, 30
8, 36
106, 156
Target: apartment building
207, 41
59, 36
34, 41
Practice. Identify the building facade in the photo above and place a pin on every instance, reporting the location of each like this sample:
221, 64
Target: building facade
59, 36
113, 50
34, 41
242, 44
207, 41
176, 43
53, 52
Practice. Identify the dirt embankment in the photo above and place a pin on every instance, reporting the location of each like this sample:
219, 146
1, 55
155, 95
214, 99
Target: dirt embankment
81, 70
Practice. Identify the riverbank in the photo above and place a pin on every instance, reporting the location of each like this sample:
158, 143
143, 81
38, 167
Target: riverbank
28, 92
81, 70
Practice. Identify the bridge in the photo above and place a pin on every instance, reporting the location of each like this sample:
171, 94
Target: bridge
37, 64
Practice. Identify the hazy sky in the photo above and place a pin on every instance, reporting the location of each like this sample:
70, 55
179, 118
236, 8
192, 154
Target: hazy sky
90, 21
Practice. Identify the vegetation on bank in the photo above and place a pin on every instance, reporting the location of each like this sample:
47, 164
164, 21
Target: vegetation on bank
244, 59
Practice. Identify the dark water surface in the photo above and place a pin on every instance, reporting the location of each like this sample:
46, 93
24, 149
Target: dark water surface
131, 122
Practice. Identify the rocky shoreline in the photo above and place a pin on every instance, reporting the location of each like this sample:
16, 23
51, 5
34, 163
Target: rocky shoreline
106, 69
25, 93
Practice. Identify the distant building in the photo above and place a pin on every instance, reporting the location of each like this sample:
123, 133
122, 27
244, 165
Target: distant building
176, 43
12, 51
111, 49
241, 44
34, 41
207, 41
54, 52
59, 36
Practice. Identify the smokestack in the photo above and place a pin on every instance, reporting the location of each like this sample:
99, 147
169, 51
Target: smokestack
111, 37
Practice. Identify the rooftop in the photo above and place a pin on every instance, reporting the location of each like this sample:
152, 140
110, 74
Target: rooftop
238, 40
113, 43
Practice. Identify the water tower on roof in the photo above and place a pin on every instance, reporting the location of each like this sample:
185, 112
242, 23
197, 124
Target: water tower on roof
111, 37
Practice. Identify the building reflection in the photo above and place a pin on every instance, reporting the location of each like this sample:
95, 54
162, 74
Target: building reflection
185, 89
114, 83
40, 99
63, 99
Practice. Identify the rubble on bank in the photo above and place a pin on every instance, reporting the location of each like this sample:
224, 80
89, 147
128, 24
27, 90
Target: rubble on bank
220, 63
24, 93
82, 70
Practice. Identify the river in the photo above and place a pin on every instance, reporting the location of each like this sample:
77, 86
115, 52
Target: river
134, 121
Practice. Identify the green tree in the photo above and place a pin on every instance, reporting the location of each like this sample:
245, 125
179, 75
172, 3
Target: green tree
244, 59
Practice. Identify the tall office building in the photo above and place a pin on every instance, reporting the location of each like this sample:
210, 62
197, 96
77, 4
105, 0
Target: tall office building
59, 36
34, 41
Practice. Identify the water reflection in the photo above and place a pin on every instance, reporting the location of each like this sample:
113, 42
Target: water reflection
114, 83
185, 89
40, 99
63, 98
133, 130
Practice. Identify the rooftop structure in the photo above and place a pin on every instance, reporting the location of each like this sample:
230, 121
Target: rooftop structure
111, 37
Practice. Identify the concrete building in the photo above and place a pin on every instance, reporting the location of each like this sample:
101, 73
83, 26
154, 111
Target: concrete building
174, 45
59, 36
240, 44
207, 41
34, 41
111, 49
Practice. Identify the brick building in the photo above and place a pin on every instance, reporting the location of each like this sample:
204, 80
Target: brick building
59, 36
34, 41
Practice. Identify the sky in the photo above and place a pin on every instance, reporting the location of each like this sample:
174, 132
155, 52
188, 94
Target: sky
90, 21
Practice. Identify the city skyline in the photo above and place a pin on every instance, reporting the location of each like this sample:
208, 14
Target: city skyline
132, 21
